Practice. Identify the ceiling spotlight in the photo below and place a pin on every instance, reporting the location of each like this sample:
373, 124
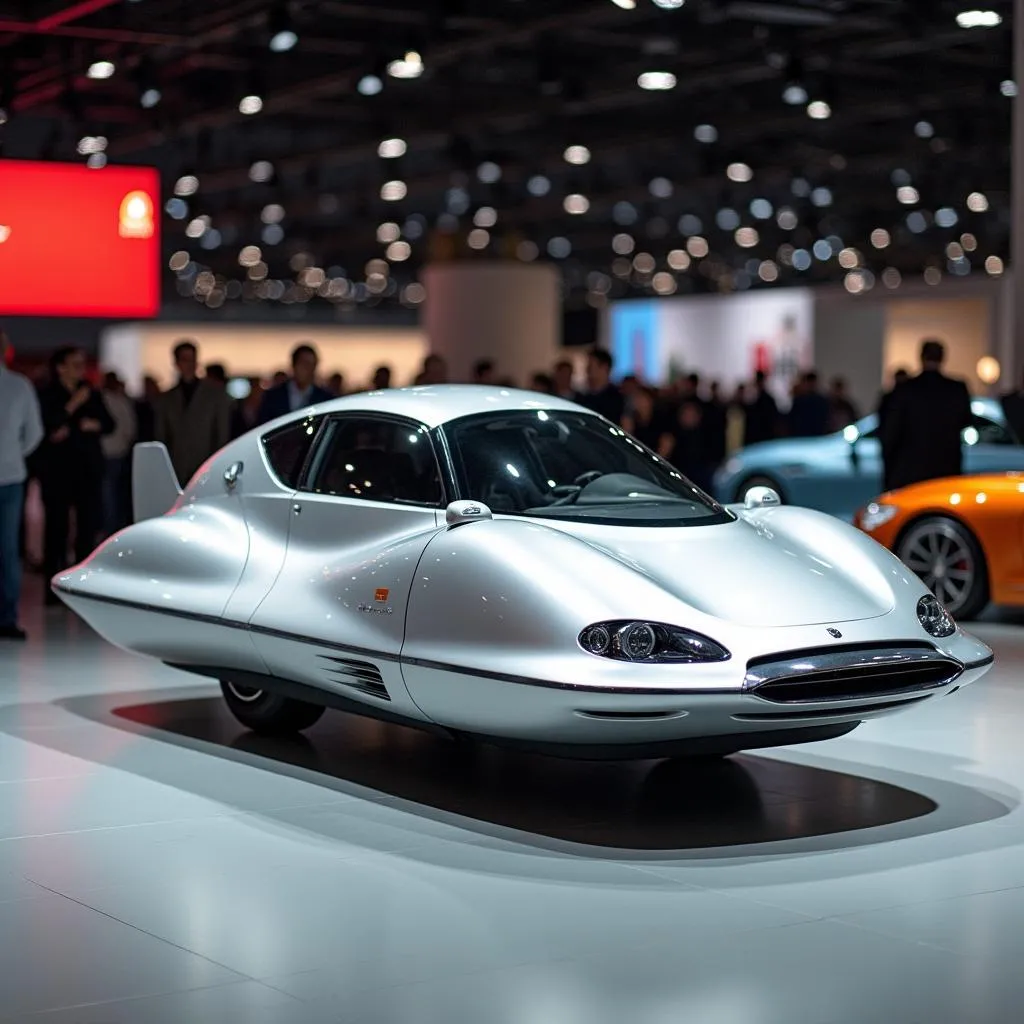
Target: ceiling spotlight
409, 66
100, 69
669, 5
747, 238
559, 247
489, 172
706, 133
149, 98
739, 172
485, 217
924, 129
660, 188
908, 195
398, 252
538, 185
261, 170
993, 266
388, 232
251, 104
283, 41
281, 30
794, 94
946, 217
89, 144
186, 185
880, 238
626, 5
821, 196
391, 149
977, 202
656, 81
96, 161
576, 203
369, 85
819, 110
393, 191
478, 238
1008, 87
979, 19
761, 209
272, 213
577, 155
787, 219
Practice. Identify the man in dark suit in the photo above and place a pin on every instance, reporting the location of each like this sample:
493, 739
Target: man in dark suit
194, 417
602, 396
924, 419
299, 391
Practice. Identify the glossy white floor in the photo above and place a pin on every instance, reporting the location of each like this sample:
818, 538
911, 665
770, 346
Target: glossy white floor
158, 864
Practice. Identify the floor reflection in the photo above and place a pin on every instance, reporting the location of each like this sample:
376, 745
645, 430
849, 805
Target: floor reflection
673, 805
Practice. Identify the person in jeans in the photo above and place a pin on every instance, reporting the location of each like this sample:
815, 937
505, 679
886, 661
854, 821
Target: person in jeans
21, 430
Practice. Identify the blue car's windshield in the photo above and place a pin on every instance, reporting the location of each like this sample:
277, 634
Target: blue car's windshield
569, 465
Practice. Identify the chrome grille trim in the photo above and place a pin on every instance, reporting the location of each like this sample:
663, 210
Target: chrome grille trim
357, 675
852, 673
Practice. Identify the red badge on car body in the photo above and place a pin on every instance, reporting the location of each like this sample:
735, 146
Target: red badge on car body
381, 594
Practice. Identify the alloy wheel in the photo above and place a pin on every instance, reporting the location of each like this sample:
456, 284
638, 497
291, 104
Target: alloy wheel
942, 557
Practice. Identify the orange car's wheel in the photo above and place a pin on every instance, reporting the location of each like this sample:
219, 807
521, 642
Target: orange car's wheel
949, 561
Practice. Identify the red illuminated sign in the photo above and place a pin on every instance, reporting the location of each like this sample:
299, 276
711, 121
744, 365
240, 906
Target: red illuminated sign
75, 241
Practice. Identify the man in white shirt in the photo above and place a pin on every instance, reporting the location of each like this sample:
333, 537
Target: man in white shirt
21, 430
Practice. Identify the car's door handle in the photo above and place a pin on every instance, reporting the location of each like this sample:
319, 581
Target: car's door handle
231, 474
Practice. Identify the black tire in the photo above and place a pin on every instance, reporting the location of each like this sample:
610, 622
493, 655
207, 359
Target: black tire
758, 480
949, 561
268, 713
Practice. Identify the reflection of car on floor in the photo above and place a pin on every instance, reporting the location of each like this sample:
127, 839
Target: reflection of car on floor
964, 536
491, 562
841, 472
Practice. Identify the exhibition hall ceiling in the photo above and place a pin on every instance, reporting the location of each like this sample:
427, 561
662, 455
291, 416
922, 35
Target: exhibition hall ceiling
323, 150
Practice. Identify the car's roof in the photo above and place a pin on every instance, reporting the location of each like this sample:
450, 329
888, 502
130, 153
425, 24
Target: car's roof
434, 405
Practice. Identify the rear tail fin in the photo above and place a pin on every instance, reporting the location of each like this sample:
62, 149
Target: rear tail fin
155, 486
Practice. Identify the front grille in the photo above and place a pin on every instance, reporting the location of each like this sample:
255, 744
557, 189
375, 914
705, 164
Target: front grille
843, 674
362, 676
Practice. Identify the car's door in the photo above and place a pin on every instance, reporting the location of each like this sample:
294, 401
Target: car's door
370, 500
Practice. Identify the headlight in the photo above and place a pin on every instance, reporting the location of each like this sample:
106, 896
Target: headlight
935, 619
649, 642
875, 515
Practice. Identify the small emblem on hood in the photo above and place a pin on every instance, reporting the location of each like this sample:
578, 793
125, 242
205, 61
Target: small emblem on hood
832, 631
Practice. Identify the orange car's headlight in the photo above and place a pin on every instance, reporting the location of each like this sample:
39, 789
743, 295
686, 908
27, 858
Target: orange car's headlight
876, 515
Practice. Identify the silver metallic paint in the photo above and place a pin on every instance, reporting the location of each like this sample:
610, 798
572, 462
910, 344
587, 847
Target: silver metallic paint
484, 615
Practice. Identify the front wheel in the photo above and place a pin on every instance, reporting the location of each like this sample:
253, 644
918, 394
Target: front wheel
269, 713
950, 563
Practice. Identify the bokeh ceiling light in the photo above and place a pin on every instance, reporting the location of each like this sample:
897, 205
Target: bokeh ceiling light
250, 104
669, 5
626, 5
739, 171
794, 94
369, 85
880, 238
538, 185
388, 232
261, 171
399, 252
908, 195
485, 217
747, 237
393, 191
976, 18
186, 185
988, 370
819, 110
150, 97
656, 81
409, 66
577, 155
101, 69
994, 266
706, 133
391, 149
977, 202
576, 204
1008, 87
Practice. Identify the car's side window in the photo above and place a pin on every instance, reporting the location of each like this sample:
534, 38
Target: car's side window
377, 459
287, 448
985, 431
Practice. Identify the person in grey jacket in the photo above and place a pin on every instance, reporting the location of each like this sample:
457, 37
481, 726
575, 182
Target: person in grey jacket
21, 430
194, 417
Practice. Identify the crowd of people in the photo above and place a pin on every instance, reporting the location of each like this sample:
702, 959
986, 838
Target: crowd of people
76, 439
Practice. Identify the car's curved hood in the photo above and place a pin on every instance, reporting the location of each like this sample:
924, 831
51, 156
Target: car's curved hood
775, 567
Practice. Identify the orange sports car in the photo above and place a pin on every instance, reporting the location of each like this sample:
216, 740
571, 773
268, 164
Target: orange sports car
963, 535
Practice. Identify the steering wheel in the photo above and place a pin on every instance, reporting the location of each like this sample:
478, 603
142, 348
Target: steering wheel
567, 494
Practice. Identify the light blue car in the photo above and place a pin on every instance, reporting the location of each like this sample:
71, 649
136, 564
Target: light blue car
839, 473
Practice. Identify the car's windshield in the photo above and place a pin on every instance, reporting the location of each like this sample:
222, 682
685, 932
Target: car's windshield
571, 465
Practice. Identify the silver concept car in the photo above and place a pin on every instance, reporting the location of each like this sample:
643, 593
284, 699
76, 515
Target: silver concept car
474, 560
